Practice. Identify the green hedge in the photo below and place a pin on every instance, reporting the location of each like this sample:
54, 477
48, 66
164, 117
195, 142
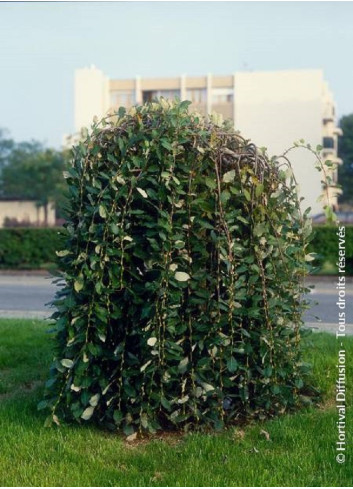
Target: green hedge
325, 243
26, 248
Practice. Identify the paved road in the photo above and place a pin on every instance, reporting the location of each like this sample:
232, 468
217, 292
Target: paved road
28, 296
323, 314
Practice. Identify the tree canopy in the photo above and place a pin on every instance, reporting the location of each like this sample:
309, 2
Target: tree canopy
345, 152
6, 146
31, 171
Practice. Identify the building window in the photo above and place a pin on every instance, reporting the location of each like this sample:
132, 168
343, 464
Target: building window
149, 95
328, 143
125, 98
222, 95
196, 95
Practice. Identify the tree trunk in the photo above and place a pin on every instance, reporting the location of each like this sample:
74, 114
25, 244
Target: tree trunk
46, 214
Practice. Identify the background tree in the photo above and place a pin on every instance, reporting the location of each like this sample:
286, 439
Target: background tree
34, 172
6, 146
345, 152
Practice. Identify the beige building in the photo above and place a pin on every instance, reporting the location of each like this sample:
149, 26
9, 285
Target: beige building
25, 212
274, 109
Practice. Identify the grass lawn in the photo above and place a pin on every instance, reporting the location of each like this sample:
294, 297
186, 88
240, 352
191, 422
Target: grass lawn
300, 450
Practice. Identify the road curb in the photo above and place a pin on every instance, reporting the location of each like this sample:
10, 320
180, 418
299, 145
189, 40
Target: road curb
10, 314
26, 273
314, 279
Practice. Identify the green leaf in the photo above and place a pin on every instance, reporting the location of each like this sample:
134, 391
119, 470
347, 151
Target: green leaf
229, 176
121, 113
182, 276
211, 183
66, 362
142, 192
56, 420
87, 413
94, 400
120, 180
207, 387
78, 285
183, 365
232, 364
152, 341
183, 400
260, 228
114, 228
98, 287
259, 189
143, 368
205, 224
63, 253
42, 405
225, 196
179, 244
299, 383
144, 420
184, 104
247, 194
102, 211
166, 404
166, 144
243, 220
117, 416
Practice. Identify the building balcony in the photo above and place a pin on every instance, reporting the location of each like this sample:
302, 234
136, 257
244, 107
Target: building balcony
338, 131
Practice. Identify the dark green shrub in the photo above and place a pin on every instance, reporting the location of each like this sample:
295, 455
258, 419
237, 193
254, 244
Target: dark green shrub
324, 242
184, 267
25, 248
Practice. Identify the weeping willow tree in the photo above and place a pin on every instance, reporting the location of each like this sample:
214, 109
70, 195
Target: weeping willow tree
184, 264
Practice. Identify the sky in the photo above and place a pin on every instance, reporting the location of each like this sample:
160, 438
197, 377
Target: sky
42, 43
